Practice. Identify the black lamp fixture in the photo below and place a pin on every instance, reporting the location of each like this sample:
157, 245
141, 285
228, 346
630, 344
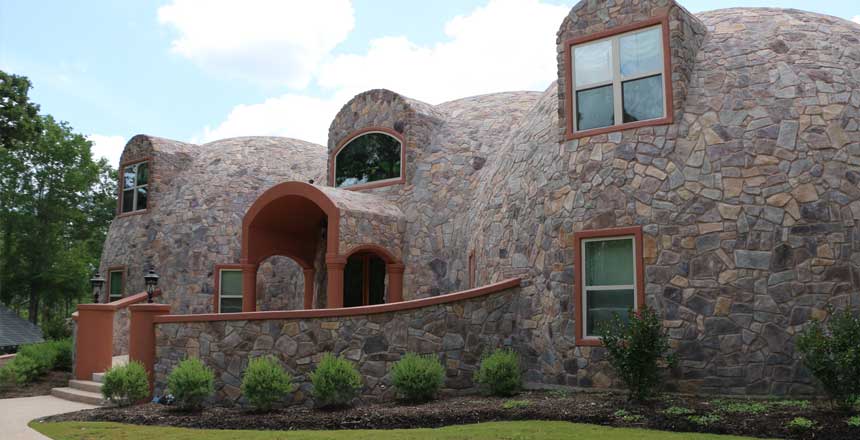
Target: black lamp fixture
97, 282
151, 280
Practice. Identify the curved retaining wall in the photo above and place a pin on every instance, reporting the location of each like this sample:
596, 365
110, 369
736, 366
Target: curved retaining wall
457, 327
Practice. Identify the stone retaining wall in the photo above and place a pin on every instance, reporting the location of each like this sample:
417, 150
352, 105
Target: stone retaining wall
459, 332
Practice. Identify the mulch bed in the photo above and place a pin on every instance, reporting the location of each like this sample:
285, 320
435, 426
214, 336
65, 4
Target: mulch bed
40, 387
595, 408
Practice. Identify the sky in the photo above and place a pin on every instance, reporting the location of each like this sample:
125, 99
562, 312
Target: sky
201, 70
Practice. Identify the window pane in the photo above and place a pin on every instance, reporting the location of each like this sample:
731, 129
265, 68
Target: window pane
141, 198
603, 305
128, 177
231, 305
353, 282
593, 63
609, 262
641, 52
116, 284
377, 280
594, 108
143, 173
231, 283
368, 158
128, 200
643, 98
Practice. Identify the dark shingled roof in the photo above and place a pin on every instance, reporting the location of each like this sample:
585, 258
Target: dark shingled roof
17, 331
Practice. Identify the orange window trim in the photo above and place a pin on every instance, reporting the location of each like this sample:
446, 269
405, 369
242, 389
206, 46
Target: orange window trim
379, 183
578, 306
570, 134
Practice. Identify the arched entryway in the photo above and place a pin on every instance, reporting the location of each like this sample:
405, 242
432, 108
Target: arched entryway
372, 276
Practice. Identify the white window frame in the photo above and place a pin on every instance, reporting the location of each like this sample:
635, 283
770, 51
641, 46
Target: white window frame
221, 295
135, 187
375, 182
586, 288
617, 78
121, 272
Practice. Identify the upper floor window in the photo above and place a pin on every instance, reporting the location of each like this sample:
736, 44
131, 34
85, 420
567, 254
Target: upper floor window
618, 80
370, 157
135, 183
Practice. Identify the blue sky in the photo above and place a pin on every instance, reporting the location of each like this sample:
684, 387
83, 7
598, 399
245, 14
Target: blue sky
199, 70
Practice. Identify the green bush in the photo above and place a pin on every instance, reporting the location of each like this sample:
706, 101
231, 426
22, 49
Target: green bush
265, 383
417, 378
191, 383
62, 350
126, 384
24, 369
636, 350
335, 381
800, 424
43, 354
832, 354
55, 328
499, 373
853, 421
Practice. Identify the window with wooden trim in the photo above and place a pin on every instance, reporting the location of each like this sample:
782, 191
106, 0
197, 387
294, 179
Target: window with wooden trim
609, 280
364, 280
229, 291
135, 187
370, 157
115, 284
619, 79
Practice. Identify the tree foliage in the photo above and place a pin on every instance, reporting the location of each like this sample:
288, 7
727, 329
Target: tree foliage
55, 206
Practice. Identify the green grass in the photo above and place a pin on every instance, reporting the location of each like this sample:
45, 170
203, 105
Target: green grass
494, 430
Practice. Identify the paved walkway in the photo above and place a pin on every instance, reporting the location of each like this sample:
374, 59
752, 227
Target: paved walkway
15, 414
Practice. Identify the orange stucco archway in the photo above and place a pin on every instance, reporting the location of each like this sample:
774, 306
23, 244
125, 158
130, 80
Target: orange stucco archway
286, 220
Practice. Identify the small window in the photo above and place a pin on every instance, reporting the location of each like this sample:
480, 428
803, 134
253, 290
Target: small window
135, 180
115, 282
371, 157
619, 79
230, 291
609, 280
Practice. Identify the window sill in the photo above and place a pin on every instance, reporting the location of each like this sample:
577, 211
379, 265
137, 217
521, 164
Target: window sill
132, 213
589, 342
377, 184
571, 135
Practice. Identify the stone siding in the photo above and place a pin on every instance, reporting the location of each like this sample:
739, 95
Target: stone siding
458, 332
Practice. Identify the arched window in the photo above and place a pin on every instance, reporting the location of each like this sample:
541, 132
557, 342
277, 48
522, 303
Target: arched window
370, 157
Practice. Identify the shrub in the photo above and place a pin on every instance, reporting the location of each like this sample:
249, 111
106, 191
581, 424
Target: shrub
55, 328
191, 383
500, 373
853, 421
265, 383
833, 356
126, 384
24, 369
731, 407
62, 349
637, 351
335, 381
44, 355
8, 376
417, 378
628, 417
800, 424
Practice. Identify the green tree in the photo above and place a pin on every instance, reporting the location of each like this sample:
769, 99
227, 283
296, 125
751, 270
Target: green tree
55, 206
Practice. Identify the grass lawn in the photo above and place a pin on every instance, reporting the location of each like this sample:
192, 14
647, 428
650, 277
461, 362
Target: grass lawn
494, 430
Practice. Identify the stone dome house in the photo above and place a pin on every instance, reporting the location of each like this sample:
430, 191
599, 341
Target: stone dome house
706, 165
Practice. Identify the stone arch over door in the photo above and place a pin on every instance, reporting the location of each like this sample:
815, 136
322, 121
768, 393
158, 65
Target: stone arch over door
394, 268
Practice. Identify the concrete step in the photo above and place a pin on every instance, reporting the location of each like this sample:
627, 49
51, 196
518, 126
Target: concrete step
78, 395
120, 360
86, 385
98, 377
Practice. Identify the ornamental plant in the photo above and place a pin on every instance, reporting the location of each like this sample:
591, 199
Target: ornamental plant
832, 355
499, 373
636, 350
335, 382
191, 383
417, 378
126, 384
265, 383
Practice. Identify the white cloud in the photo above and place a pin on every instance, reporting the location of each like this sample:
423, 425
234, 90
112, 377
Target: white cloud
503, 46
856, 19
109, 147
271, 41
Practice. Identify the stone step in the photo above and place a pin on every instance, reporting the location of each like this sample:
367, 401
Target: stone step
78, 395
118, 361
86, 385
98, 377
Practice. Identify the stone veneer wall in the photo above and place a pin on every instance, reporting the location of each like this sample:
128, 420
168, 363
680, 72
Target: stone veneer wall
458, 332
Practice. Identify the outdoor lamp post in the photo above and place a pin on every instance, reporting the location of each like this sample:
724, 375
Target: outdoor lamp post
151, 279
97, 282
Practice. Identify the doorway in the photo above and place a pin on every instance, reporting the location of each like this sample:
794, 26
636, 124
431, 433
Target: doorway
364, 280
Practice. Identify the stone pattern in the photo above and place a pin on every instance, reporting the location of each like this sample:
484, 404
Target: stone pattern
458, 332
121, 322
280, 284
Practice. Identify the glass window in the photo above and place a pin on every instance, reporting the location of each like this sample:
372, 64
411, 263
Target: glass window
609, 274
115, 283
619, 79
230, 294
371, 157
135, 180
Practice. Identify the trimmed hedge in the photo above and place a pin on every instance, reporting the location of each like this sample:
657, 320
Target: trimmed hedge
335, 381
126, 384
191, 383
417, 378
500, 374
265, 383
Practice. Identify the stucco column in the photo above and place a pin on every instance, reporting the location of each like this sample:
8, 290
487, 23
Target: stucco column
334, 287
141, 336
94, 343
309, 288
249, 287
395, 282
